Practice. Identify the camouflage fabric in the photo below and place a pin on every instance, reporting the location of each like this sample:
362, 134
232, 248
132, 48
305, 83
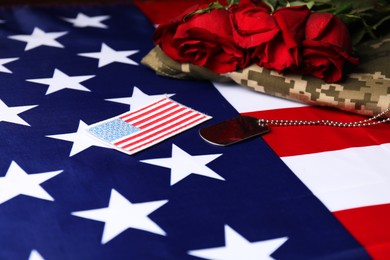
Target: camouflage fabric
366, 90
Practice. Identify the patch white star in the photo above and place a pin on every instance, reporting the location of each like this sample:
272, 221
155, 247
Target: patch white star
5, 61
81, 139
139, 99
121, 214
83, 21
39, 38
10, 114
17, 182
60, 81
237, 247
183, 164
108, 55
2, 21
35, 255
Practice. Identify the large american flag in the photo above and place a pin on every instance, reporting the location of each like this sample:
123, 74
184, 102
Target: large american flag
299, 193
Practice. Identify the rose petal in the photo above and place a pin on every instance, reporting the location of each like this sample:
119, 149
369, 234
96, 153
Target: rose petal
291, 21
317, 24
216, 22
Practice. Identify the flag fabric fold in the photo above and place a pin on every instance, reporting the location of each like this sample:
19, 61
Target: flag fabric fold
65, 195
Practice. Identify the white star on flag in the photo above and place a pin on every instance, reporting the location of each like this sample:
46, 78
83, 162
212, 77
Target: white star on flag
139, 99
81, 139
108, 55
60, 81
121, 214
83, 21
35, 255
183, 164
5, 61
10, 114
237, 247
17, 182
39, 38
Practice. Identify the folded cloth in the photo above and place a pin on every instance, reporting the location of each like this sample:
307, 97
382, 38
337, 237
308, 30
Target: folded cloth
365, 90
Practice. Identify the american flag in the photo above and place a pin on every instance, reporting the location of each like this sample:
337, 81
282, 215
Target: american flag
134, 131
296, 193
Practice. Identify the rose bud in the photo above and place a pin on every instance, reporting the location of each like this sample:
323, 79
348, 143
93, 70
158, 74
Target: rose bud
203, 39
282, 52
252, 24
326, 47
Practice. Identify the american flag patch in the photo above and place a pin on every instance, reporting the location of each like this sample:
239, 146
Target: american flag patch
134, 131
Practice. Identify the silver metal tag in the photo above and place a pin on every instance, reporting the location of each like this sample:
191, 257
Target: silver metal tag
233, 130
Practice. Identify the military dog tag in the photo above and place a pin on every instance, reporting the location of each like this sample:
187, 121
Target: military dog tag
233, 130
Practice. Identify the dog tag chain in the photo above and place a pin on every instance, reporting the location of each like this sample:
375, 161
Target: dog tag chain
240, 128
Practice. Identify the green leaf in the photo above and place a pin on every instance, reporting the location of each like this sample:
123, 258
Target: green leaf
323, 1
233, 2
271, 4
187, 16
309, 4
214, 5
380, 22
357, 37
349, 19
369, 29
343, 8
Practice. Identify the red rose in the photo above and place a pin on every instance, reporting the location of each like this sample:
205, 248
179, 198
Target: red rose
282, 52
326, 47
204, 40
252, 24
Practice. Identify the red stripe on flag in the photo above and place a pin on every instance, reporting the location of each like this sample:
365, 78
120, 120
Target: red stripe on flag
158, 126
163, 11
159, 117
134, 115
370, 226
298, 140
170, 133
155, 123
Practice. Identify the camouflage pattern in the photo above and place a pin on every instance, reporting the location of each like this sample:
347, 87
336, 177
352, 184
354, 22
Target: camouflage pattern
365, 90
165, 66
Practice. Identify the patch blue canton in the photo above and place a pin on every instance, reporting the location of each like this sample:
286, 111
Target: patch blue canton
112, 130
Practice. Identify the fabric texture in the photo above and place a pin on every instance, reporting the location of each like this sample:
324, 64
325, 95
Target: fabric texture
66, 195
365, 89
295, 193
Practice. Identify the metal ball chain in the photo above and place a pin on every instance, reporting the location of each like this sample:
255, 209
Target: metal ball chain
362, 123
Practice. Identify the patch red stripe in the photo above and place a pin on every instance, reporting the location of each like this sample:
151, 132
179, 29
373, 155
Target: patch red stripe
159, 126
168, 134
298, 140
163, 115
132, 116
154, 123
